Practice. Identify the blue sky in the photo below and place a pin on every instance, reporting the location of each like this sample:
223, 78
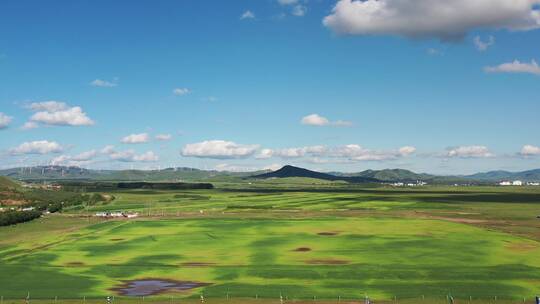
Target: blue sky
316, 83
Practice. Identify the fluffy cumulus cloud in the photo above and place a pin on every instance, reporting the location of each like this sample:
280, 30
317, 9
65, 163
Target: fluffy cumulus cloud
483, 45
163, 137
407, 150
442, 19
57, 114
37, 147
129, 155
181, 91
4, 120
104, 83
323, 154
218, 149
515, 67
469, 152
355, 152
29, 125
83, 158
530, 150
247, 15
136, 138
318, 120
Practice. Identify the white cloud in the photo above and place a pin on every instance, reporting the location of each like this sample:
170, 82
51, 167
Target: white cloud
5, 120
483, 45
136, 138
287, 2
407, 150
219, 149
84, 156
37, 147
163, 137
344, 153
29, 125
299, 152
469, 152
515, 67
358, 153
247, 15
107, 149
299, 10
530, 150
58, 114
265, 153
273, 167
104, 83
181, 91
77, 160
315, 120
48, 106
442, 19
132, 156
318, 120
149, 156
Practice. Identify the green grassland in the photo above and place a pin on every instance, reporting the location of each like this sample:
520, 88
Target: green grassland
301, 239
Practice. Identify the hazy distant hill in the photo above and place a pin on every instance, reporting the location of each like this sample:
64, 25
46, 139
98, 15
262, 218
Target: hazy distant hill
291, 171
393, 175
530, 175
75, 173
190, 174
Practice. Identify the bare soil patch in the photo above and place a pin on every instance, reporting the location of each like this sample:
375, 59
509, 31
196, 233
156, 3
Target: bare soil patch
75, 264
302, 249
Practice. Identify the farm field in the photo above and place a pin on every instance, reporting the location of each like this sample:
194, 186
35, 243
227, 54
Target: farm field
303, 242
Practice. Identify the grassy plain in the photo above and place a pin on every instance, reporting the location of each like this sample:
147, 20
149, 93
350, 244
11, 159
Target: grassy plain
300, 238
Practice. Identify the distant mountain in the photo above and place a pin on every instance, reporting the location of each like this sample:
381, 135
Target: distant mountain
395, 175
530, 175
291, 171
76, 173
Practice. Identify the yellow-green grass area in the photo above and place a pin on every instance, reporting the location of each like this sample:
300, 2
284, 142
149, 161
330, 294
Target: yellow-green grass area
512, 210
325, 258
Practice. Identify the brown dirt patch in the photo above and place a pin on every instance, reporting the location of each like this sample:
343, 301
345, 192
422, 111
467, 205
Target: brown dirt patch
197, 264
302, 249
328, 233
116, 240
521, 247
458, 220
327, 262
75, 264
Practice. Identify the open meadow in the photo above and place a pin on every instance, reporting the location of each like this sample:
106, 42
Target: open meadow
260, 241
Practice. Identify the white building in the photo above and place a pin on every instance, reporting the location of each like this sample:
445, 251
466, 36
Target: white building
517, 183
533, 184
505, 183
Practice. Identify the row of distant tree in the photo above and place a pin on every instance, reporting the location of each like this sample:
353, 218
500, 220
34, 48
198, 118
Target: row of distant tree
14, 217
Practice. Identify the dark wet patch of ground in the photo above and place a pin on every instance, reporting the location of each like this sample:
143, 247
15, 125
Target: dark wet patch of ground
150, 286
328, 233
197, 264
327, 262
116, 240
302, 249
75, 264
